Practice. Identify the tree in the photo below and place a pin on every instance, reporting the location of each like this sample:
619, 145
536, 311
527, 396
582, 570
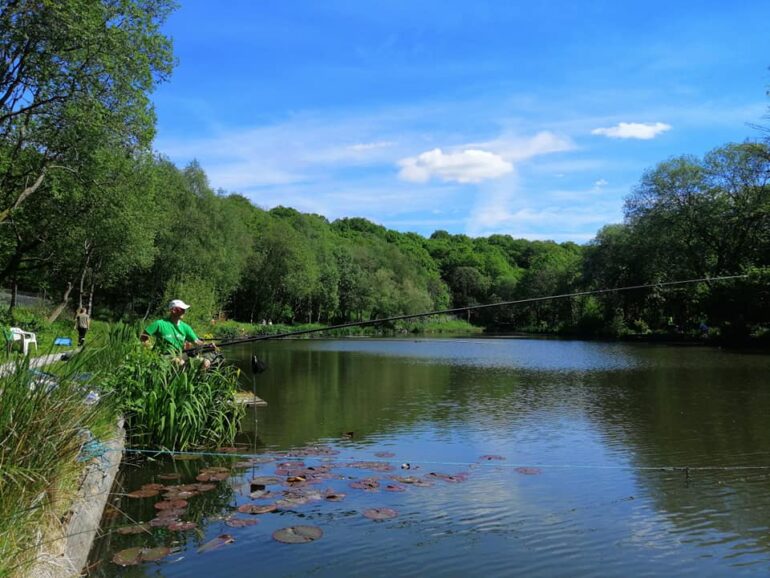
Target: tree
74, 75
708, 217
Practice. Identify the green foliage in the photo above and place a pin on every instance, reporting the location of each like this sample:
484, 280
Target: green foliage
28, 319
42, 429
590, 317
175, 407
83, 75
200, 292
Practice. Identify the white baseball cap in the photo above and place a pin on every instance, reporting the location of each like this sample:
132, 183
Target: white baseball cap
178, 304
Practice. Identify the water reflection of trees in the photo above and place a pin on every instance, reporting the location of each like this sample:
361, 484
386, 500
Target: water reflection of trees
315, 395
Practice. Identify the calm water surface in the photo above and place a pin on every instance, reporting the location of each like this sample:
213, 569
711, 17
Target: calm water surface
565, 459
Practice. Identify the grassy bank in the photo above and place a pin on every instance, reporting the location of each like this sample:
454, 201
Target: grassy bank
42, 429
439, 325
46, 418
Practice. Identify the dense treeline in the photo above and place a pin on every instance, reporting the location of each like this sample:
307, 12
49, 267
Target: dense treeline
158, 231
92, 216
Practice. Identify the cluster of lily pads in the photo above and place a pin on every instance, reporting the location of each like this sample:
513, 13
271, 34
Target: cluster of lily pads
291, 485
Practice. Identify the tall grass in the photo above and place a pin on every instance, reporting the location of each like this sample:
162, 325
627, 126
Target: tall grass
41, 433
168, 406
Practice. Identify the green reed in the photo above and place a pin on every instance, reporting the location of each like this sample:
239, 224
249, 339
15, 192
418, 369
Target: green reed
173, 407
42, 428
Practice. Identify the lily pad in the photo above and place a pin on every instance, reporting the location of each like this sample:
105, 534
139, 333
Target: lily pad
406, 479
529, 471
394, 488
241, 522
491, 457
180, 495
172, 513
265, 481
128, 557
153, 486
217, 542
385, 454
212, 476
155, 554
133, 529
257, 509
367, 484
298, 534
380, 513
161, 522
169, 476
143, 493
182, 526
171, 505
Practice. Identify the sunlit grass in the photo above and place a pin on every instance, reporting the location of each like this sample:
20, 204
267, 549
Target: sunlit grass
42, 428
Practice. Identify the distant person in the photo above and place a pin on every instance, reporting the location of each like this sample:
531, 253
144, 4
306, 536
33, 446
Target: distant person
82, 324
172, 335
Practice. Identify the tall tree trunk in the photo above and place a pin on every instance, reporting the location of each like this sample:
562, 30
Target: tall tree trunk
61, 306
147, 311
14, 294
91, 296
253, 308
87, 248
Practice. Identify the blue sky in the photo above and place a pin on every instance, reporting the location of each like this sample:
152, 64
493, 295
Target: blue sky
534, 119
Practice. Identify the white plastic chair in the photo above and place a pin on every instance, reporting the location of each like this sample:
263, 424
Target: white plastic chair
25, 337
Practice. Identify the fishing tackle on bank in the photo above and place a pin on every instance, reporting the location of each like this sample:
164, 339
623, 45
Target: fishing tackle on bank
226, 342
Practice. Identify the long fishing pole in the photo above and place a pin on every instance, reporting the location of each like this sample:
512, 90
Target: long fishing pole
225, 342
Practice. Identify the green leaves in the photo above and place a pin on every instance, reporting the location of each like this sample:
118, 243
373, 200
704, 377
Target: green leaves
176, 408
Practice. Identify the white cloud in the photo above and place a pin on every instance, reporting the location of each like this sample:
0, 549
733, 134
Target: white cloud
467, 166
477, 162
633, 130
515, 149
600, 183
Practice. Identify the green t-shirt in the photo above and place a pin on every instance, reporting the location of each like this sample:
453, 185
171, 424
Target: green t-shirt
169, 337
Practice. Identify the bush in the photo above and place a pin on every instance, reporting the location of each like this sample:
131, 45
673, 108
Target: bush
173, 407
28, 319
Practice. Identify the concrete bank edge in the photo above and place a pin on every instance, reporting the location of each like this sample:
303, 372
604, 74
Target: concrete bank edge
68, 556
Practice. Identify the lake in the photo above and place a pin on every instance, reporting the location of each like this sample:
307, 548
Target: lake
485, 456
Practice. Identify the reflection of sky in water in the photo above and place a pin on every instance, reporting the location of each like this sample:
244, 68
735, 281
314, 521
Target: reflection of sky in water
516, 353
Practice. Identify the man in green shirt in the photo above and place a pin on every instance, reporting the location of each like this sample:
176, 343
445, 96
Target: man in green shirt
171, 334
